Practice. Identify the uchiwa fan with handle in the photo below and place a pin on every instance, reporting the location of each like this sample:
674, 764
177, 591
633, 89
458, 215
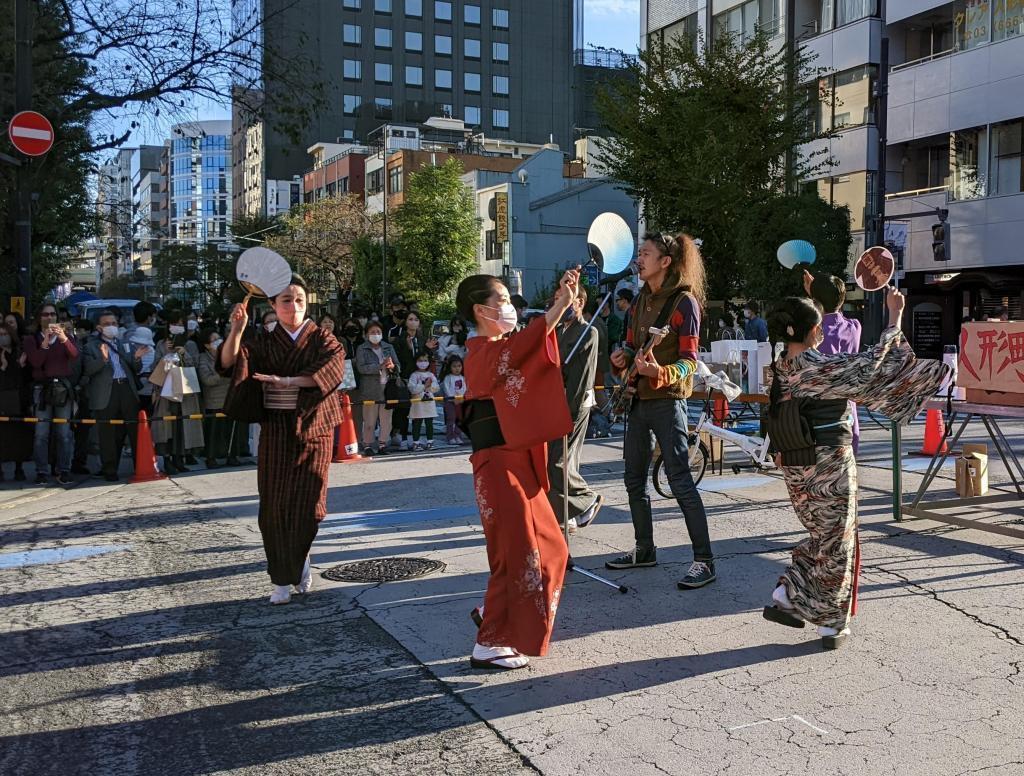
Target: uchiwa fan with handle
262, 273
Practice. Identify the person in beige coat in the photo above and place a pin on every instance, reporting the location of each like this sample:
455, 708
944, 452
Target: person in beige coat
176, 439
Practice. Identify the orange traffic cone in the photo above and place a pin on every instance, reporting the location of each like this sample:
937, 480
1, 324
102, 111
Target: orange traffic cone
721, 410
145, 458
934, 434
348, 447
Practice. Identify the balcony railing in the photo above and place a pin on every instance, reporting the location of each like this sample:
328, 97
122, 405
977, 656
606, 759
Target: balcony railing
918, 192
603, 58
921, 60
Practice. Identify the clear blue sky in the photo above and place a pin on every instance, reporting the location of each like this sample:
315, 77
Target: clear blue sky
612, 23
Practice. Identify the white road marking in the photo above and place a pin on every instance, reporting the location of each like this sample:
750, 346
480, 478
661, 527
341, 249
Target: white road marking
796, 717
812, 727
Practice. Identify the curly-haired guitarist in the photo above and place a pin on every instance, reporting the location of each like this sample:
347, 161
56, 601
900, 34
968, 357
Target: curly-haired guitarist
673, 274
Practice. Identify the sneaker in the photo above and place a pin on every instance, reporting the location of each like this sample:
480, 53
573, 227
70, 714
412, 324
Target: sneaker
633, 560
417, 447
367, 452
700, 574
429, 445
64, 479
406, 444
42, 479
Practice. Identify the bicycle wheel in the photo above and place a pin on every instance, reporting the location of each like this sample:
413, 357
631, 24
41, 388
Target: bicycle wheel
699, 456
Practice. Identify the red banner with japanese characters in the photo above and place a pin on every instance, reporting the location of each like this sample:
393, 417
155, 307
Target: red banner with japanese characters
992, 356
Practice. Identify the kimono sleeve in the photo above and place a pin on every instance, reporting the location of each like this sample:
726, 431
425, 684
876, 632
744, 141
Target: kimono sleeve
529, 395
887, 378
327, 367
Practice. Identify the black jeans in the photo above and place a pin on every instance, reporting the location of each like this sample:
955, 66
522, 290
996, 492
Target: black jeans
665, 419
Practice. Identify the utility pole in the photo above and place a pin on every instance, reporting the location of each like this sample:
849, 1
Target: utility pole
877, 233
23, 34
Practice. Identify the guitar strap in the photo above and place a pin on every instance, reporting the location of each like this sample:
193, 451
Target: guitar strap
666, 312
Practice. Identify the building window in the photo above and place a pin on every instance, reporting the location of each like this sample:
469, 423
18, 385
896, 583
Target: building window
499, 19
1007, 19
744, 21
395, 180
443, 44
414, 41
499, 118
353, 70
353, 5
499, 84
849, 190
351, 104
499, 52
472, 116
382, 107
471, 48
413, 76
353, 34
970, 23
471, 82
443, 79
382, 72
968, 152
414, 8
844, 99
442, 11
836, 13
471, 14
382, 37
382, 6
348, 134
1007, 159
684, 29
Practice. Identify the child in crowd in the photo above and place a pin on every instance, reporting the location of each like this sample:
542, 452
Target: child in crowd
453, 385
423, 386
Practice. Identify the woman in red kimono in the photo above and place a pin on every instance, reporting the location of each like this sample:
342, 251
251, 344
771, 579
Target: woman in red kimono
288, 379
515, 404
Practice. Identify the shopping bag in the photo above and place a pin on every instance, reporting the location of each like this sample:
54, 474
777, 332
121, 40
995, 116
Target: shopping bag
189, 380
348, 382
159, 374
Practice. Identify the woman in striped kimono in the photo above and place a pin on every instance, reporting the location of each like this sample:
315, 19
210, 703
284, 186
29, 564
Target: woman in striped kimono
299, 366
810, 425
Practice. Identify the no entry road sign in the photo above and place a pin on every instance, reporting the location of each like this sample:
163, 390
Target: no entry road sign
31, 133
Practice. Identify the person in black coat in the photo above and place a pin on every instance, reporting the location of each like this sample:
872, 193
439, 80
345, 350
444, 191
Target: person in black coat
408, 345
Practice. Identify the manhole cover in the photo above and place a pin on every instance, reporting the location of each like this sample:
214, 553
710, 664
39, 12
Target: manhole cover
383, 570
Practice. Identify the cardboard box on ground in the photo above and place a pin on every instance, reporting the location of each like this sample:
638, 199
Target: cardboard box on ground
972, 471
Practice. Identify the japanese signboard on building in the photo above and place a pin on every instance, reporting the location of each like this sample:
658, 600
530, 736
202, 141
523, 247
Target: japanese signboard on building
992, 356
501, 216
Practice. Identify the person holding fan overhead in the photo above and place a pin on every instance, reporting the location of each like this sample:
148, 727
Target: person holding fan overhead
288, 377
515, 404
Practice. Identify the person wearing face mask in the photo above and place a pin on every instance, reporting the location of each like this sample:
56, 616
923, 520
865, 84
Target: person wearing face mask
423, 386
141, 339
376, 362
51, 353
809, 424
351, 338
179, 441
755, 327
515, 404
578, 377
15, 400
453, 343
224, 437
288, 378
111, 365
407, 345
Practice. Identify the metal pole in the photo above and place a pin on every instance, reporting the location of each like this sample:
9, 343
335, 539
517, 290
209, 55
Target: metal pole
875, 299
23, 24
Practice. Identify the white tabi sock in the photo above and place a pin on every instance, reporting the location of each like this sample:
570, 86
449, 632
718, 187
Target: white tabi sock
306, 583
282, 594
781, 597
506, 657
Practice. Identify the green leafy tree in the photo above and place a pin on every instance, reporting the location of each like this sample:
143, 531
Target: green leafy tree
203, 275
438, 233
368, 277
709, 140
63, 215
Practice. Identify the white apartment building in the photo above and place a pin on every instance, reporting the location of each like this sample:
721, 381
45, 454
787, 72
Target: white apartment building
955, 111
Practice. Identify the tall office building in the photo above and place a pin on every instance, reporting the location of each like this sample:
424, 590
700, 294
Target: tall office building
199, 182
507, 68
955, 111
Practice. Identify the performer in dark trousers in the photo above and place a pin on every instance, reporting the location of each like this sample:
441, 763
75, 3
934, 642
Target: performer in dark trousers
578, 375
298, 365
673, 274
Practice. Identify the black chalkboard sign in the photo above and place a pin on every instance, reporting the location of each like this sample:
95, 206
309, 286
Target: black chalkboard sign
927, 336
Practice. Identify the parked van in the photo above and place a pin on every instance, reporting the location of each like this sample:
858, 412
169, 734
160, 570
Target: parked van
92, 308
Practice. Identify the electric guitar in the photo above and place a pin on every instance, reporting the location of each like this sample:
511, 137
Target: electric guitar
622, 396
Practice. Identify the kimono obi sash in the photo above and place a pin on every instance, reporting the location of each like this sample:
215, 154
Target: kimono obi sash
275, 398
480, 422
800, 425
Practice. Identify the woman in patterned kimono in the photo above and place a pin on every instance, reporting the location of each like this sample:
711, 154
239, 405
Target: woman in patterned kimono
298, 365
515, 404
809, 420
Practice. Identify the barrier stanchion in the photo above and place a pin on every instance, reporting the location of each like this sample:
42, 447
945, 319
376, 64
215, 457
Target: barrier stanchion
348, 446
145, 456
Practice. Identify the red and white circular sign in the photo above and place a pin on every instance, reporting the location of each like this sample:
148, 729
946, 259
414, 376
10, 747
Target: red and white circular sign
31, 133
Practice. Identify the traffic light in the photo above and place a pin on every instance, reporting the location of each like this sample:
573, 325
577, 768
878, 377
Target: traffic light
940, 241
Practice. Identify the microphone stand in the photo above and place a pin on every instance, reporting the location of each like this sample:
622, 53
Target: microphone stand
571, 564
